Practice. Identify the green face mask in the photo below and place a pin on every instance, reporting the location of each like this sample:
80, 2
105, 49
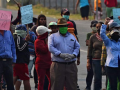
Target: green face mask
63, 30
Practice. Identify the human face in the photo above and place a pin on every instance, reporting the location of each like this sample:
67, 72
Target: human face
54, 29
42, 20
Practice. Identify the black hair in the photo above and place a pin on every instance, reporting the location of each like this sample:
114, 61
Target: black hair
94, 21
38, 20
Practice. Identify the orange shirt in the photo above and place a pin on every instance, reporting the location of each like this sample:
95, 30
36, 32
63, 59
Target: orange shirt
99, 4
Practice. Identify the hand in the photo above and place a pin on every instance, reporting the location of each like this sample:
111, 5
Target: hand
70, 56
76, 10
78, 61
27, 38
88, 66
18, 4
64, 55
107, 20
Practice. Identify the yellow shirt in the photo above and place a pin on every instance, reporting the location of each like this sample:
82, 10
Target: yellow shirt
99, 4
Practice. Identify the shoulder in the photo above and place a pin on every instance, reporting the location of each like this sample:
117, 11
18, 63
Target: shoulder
88, 34
93, 36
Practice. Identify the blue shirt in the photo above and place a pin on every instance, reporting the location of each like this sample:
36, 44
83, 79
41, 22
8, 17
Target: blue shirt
62, 44
112, 47
83, 3
31, 43
7, 46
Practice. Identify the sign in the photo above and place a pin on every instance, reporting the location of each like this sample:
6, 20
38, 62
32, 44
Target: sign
27, 14
5, 20
116, 13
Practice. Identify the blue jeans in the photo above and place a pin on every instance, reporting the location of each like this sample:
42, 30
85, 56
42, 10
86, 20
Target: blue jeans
97, 71
30, 66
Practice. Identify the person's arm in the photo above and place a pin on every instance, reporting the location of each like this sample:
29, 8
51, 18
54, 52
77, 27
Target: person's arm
89, 54
51, 46
105, 39
78, 1
13, 48
90, 5
18, 17
40, 46
76, 48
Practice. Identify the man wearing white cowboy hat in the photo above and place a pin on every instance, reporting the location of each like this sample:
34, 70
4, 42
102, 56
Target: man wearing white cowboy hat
64, 49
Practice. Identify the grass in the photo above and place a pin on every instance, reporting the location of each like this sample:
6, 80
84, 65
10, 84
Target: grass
39, 9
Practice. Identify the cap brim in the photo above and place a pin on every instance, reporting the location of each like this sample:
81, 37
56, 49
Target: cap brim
49, 30
113, 31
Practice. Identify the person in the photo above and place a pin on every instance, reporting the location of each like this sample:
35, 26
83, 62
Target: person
20, 69
43, 58
64, 49
41, 20
84, 8
94, 30
53, 27
94, 52
99, 13
7, 57
110, 5
65, 13
112, 61
89, 76
112, 26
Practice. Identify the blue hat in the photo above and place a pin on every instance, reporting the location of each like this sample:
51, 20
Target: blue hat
113, 25
21, 27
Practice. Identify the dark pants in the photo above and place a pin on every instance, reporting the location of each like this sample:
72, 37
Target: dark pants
6, 69
113, 74
89, 77
97, 71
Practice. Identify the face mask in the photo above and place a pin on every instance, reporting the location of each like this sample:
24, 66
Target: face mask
115, 37
66, 17
94, 29
63, 30
22, 33
98, 30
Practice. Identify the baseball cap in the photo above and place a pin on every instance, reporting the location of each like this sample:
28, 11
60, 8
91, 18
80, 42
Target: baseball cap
113, 31
114, 24
52, 23
42, 29
65, 10
21, 27
70, 24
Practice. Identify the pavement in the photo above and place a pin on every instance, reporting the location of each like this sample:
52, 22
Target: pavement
83, 27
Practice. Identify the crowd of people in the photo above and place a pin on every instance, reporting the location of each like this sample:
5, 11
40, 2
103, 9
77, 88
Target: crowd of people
53, 50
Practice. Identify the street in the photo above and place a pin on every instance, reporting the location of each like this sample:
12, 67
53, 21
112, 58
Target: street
83, 27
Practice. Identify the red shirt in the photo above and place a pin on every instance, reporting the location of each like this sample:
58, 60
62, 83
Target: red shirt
110, 3
43, 56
